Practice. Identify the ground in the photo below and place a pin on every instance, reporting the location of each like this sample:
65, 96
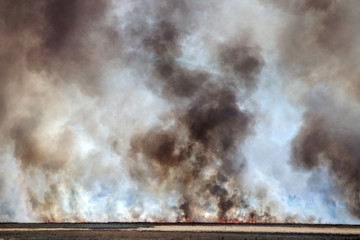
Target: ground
87, 231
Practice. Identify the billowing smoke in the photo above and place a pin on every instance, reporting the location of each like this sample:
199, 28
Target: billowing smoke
179, 110
325, 48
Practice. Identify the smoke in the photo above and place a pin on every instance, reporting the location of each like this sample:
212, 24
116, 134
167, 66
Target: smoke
320, 51
179, 110
196, 145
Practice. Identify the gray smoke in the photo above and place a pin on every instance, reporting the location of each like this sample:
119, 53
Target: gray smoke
179, 110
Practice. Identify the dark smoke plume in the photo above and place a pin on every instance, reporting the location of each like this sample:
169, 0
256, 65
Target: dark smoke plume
208, 129
179, 110
321, 53
51, 39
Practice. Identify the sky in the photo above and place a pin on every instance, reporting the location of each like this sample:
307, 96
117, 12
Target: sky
180, 111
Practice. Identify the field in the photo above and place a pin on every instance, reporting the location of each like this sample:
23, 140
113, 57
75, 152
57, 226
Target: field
167, 231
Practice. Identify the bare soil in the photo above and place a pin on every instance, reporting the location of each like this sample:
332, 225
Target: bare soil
254, 229
176, 231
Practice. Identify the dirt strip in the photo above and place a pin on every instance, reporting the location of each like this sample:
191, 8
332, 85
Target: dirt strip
214, 228
254, 229
41, 229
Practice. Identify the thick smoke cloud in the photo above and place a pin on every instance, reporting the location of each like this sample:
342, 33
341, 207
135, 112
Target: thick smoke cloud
208, 125
44, 46
179, 110
320, 51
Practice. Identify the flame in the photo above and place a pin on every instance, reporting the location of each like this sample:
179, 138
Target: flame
179, 220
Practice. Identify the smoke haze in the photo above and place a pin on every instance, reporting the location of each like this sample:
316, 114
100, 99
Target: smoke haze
179, 111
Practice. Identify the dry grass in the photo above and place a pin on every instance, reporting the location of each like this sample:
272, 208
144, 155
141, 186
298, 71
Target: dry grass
254, 229
176, 231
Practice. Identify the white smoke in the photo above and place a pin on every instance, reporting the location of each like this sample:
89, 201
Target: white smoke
80, 128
